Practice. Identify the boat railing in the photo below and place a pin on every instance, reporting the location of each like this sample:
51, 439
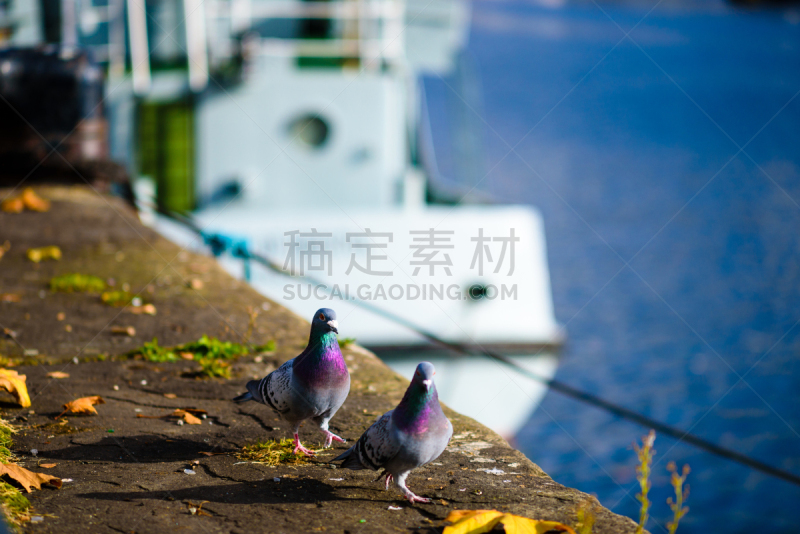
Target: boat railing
364, 33
367, 31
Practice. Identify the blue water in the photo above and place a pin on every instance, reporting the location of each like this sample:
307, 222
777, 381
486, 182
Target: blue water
640, 163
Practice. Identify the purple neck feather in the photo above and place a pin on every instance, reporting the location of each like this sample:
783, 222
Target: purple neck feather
321, 363
415, 411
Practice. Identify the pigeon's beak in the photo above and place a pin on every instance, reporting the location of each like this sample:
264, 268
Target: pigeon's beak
428, 384
334, 325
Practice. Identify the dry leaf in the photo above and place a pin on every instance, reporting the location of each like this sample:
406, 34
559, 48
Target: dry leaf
123, 331
33, 201
44, 253
187, 415
48, 466
195, 283
9, 297
27, 199
480, 521
148, 309
28, 479
188, 418
170, 395
13, 205
14, 383
82, 405
186, 355
58, 374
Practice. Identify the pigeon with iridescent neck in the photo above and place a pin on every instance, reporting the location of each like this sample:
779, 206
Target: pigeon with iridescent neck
313, 385
410, 436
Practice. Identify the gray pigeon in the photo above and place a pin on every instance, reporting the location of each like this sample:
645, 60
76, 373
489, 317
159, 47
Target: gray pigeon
313, 385
410, 436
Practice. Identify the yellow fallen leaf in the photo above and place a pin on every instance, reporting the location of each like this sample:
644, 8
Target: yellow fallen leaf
48, 466
34, 202
28, 479
188, 418
13, 205
471, 521
480, 521
82, 405
170, 395
44, 253
14, 383
58, 374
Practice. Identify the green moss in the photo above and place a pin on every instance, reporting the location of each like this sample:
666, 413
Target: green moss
207, 347
14, 503
272, 453
346, 342
151, 352
212, 354
117, 298
76, 282
210, 368
6, 440
269, 346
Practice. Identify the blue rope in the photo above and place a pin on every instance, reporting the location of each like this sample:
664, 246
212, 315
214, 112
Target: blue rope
238, 247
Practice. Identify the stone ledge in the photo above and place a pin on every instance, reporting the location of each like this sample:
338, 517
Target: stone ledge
128, 472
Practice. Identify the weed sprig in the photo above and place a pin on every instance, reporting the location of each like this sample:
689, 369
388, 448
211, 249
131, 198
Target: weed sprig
645, 453
681, 494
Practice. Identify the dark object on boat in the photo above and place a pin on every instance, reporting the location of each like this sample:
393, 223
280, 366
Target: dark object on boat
52, 123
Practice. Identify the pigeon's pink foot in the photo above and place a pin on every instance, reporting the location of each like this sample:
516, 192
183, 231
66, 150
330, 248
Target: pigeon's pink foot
299, 447
414, 498
330, 437
388, 476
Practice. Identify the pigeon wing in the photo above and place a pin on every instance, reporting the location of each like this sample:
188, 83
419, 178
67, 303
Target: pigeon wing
276, 388
377, 445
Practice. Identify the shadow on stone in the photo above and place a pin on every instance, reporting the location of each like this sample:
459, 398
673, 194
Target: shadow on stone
287, 491
137, 449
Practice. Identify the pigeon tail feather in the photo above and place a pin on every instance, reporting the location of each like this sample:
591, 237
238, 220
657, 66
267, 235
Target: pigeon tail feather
351, 459
244, 397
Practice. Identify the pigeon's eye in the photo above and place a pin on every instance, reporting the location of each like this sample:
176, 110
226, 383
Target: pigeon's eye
321, 317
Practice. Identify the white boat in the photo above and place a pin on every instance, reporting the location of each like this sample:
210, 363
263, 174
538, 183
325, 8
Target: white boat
509, 311
309, 141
